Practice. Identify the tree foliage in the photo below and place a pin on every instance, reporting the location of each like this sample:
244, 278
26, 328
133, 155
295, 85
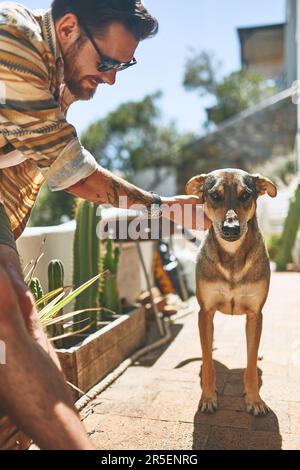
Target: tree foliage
51, 208
201, 72
131, 137
232, 94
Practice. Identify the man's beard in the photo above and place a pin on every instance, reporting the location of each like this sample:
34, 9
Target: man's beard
70, 72
78, 91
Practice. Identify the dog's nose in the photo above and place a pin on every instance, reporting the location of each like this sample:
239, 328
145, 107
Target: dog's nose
231, 228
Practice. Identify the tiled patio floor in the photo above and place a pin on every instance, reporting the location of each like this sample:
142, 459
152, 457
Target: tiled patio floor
154, 405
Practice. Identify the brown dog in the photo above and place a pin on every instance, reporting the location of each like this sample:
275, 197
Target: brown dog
233, 271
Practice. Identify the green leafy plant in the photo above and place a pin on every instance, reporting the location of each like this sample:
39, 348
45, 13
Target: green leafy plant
109, 293
56, 281
60, 298
273, 245
50, 305
289, 234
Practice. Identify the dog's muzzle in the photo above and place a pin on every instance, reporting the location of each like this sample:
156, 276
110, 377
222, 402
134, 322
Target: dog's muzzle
231, 229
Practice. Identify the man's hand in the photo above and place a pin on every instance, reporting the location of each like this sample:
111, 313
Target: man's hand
187, 211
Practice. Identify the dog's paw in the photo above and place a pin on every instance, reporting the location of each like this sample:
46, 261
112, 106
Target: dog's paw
256, 407
208, 405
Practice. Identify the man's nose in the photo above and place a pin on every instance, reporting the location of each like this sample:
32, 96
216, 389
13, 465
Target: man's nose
110, 77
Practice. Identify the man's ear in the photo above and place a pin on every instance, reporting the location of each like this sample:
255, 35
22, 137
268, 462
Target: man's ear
196, 186
264, 185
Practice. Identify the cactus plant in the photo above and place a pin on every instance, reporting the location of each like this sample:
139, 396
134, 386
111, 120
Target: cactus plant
109, 294
288, 238
36, 288
56, 280
86, 258
55, 275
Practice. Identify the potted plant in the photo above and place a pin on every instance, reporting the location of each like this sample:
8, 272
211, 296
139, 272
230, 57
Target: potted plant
110, 337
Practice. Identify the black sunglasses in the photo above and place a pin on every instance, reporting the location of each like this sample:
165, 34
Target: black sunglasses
106, 63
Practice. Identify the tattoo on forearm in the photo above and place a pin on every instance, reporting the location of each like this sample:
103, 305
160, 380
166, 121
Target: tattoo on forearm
112, 188
137, 196
134, 194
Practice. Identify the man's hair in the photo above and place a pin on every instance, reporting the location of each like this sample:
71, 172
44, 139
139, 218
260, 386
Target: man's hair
98, 14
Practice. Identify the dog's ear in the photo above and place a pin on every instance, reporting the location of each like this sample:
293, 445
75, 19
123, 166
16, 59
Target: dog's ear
264, 185
196, 186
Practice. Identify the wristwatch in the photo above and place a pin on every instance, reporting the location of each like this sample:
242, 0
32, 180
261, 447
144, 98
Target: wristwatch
155, 208
156, 199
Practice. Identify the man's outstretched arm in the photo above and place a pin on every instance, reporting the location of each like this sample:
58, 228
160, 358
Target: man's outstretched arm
103, 187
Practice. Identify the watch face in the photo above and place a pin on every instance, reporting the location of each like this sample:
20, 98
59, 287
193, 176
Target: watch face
157, 199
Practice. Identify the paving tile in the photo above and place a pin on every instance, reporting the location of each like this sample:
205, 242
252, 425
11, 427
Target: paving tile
290, 442
224, 438
135, 403
268, 423
294, 414
261, 440
231, 403
229, 418
234, 386
287, 389
92, 423
181, 407
142, 434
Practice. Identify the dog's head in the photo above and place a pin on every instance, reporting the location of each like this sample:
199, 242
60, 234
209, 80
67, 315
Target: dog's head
229, 197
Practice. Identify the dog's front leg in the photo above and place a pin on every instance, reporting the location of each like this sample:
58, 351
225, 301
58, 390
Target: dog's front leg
254, 403
208, 403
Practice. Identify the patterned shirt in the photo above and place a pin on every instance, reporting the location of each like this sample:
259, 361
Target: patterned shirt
37, 143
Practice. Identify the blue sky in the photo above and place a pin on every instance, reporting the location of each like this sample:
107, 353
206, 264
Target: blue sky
200, 24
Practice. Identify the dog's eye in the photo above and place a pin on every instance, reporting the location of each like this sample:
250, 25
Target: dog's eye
245, 196
216, 197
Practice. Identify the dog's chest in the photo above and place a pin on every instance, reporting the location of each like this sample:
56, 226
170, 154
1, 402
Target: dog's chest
234, 300
232, 283
231, 299
232, 291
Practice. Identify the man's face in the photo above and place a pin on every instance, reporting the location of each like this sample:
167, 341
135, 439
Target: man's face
81, 58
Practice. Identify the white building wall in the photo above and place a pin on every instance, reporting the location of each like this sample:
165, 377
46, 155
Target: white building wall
290, 42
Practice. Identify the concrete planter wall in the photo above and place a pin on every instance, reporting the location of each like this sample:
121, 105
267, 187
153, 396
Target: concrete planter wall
85, 364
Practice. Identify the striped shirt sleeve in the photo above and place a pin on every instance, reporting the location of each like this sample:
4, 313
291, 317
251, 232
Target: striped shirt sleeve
31, 119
